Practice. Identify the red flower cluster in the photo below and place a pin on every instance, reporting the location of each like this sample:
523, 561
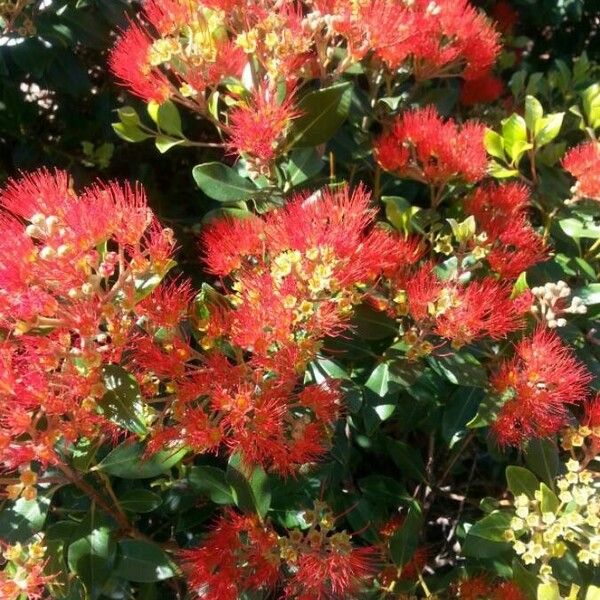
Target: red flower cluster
421, 145
451, 38
257, 128
485, 89
481, 588
72, 269
297, 275
242, 554
290, 278
501, 212
537, 386
460, 312
583, 162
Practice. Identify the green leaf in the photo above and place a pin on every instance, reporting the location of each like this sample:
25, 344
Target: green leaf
514, 134
304, 164
548, 128
222, 183
399, 212
407, 459
127, 461
488, 410
122, 402
250, 486
548, 591
541, 456
520, 286
139, 501
322, 113
590, 294
143, 562
145, 283
460, 368
130, 133
525, 579
533, 112
579, 228
501, 172
460, 409
492, 526
211, 481
19, 520
128, 116
494, 144
164, 143
521, 481
550, 501
91, 554
406, 540
166, 116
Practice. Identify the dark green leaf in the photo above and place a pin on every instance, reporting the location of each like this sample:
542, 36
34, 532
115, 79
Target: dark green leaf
143, 562
304, 164
91, 554
128, 461
250, 486
406, 540
222, 183
541, 456
122, 402
139, 501
521, 481
211, 481
322, 113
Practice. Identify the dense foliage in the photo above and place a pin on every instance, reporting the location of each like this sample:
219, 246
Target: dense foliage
352, 352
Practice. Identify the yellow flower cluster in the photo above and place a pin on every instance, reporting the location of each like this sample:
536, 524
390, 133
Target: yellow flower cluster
545, 526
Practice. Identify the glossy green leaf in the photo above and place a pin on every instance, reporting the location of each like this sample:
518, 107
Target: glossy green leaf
19, 520
211, 481
550, 501
548, 128
166, 116
521, 481
164, 143
494, 144
143, 562
130, 132
304, 164
533, 112
128, 461
122, 402
139, 501
541, 456
514, 134
92, 551
250, 486
322, 113
406, 540
222, 183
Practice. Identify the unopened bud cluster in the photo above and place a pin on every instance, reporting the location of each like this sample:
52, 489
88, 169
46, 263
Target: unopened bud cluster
551, 303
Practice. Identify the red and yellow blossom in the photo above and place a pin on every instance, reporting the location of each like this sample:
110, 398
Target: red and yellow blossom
537, 387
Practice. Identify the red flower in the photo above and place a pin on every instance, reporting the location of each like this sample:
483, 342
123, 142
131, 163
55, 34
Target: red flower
505, 16
537, 385
422, 146
228, 244
68, 271
238, 555
583, 162
333, 573
461, 313
501, 211
129, 62
474, 588
483, 90
452, 38
257, 128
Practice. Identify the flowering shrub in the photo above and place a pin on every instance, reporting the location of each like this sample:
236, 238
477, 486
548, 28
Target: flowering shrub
375, 382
